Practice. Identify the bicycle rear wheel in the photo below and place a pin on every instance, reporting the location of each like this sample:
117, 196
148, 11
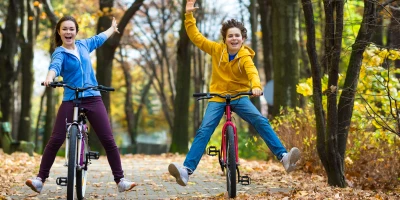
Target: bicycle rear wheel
72, 162
81, 174
230, 162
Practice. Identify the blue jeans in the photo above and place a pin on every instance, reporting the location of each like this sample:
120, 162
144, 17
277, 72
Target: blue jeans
247, 111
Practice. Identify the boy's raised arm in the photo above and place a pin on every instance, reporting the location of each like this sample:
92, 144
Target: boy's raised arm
190, 6
193, 32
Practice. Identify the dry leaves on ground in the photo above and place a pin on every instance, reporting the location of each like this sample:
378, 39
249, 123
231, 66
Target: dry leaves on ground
15, 168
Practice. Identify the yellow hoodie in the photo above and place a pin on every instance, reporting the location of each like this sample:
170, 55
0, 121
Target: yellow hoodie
238, 75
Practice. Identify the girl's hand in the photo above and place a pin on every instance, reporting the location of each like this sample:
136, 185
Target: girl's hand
190, 6
256, 92
114, 25
47, 82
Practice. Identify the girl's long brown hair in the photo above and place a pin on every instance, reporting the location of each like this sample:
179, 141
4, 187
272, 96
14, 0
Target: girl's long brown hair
57, 38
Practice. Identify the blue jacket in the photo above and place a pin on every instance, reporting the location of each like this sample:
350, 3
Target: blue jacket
75, 72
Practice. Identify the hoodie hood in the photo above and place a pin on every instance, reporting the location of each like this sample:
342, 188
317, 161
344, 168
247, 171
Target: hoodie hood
243, 52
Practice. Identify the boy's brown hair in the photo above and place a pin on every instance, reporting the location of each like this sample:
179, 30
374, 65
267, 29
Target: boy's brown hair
231, 24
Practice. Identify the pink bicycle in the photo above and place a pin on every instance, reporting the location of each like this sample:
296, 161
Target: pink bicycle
228, 156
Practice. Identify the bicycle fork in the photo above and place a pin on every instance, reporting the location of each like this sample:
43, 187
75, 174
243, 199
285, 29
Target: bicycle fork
213, 151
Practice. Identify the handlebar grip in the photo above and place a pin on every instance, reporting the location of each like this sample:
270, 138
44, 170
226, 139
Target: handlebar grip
200, 94
54, 84
106, 88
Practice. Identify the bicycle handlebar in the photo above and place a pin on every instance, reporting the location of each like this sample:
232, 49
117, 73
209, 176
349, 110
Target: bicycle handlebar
211, 95
80, 89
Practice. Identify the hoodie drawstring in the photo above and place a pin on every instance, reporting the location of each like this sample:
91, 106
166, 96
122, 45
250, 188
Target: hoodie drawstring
221, 57
239, 66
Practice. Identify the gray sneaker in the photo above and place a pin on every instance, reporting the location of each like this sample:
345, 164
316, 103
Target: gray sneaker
180, 173
35, 184
289, 159
125, 185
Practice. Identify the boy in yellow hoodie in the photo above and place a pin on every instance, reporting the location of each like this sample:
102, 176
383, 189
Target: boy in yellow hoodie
233, 71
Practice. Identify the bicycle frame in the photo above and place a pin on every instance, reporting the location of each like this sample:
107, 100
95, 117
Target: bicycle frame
78, 120
229, 122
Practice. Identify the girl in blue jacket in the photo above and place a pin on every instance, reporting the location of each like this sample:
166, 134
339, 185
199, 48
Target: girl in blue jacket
71, 60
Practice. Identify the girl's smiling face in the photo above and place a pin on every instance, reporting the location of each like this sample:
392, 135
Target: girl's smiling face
234, 40
67, 33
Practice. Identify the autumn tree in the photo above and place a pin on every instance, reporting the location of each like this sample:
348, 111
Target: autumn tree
180, 128
333, 127
105, 54
28, 32
8, 51
156, 48
49, 92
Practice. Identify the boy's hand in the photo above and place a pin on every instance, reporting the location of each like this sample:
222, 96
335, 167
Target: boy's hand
256, 92
190, 6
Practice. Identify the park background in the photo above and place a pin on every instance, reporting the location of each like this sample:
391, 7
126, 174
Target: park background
333, 67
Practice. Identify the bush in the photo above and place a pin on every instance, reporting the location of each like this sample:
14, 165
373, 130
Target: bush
371, 156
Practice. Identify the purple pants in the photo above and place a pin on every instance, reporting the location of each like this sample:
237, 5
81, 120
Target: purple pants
98, 118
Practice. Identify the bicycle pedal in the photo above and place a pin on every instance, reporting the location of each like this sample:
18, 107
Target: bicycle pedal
62, 181
212, 151
93, 155
245, 180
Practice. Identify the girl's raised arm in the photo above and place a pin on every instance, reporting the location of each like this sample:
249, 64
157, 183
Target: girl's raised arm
113, 28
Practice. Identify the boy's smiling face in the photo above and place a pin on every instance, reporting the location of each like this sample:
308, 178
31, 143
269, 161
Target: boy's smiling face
234, 40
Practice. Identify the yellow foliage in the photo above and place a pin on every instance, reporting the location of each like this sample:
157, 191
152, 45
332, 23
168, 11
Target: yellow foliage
304, 89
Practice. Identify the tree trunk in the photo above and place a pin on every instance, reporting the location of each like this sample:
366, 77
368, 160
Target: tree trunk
333, 44
38, 120
316, 77
27, 38
128, 108
285, 53
265, 14
394, 33
180, 128
50, 99
346, 101
9, 46
253, 10
105, 53
198, 71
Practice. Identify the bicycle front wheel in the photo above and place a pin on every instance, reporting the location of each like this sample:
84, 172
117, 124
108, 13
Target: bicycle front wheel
72, 162
81, 174
230, 162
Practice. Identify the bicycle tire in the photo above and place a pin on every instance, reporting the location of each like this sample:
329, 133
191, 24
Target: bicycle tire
81, 174
230, 162
72, 162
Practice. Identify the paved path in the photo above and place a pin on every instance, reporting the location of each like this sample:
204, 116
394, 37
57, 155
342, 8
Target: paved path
154, 181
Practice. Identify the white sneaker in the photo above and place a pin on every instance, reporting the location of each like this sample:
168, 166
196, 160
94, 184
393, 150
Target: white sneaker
289, 159
125, 185
180, 173
35, 184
